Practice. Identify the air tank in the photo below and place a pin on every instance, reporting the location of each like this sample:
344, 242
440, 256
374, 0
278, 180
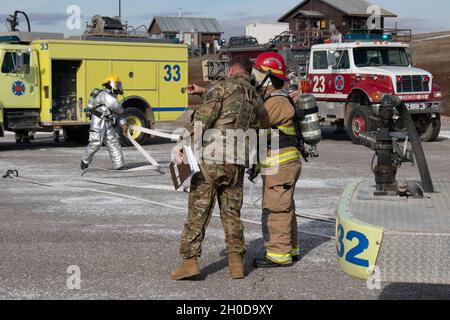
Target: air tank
308, 115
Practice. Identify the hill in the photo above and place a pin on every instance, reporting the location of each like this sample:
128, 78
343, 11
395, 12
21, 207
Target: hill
431, 52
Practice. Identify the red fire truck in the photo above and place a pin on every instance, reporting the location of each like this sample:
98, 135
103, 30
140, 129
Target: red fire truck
350, 77
349, 80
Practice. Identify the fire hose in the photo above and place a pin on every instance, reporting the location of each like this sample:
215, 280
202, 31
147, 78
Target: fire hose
156, 166
252, 203
14, 174
152, 133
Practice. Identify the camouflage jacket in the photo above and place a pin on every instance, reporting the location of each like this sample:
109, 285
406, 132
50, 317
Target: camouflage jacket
231, 107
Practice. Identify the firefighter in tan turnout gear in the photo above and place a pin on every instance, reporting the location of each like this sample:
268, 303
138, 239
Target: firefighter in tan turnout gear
107, 114
231, 104
281, 168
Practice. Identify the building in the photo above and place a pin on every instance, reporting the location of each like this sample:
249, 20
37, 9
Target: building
201, 33
330, 15
263, 32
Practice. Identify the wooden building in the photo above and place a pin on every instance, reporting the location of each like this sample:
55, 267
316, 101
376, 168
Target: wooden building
198, 33
330, 15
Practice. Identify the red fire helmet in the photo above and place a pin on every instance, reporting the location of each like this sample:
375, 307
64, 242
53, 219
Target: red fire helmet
272, 63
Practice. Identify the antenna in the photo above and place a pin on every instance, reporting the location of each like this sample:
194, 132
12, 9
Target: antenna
13, 21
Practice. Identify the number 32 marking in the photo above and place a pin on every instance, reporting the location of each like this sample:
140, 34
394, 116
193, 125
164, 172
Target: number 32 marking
351, 257
172, 73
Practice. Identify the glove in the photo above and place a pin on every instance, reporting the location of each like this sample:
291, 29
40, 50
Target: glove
253, 173
177, 155
125, 130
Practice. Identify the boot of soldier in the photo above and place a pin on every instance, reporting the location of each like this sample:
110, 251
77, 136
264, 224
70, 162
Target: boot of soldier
188, 269
236, 266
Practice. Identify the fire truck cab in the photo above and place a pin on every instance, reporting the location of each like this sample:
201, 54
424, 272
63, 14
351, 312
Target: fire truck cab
349, 80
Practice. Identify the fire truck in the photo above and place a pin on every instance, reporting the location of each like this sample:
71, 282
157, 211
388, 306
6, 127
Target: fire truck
350, 78
46, 80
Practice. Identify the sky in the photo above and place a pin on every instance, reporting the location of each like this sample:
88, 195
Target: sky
51, 15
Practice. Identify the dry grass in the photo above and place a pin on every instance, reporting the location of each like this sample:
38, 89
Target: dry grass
434, 56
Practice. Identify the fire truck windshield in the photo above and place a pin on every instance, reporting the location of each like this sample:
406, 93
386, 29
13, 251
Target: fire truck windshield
11, 63
375, 56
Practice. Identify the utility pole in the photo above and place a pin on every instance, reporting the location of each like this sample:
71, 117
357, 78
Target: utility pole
120, 8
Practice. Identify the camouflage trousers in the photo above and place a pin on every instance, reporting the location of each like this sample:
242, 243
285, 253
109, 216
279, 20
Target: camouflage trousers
224, 182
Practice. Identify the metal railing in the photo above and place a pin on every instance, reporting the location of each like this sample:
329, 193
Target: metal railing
310, 37
401, 35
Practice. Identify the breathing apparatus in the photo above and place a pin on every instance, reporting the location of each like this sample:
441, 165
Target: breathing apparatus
307, 121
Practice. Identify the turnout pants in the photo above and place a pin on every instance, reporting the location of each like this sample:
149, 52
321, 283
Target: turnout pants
279, 219
103, 132
226, 183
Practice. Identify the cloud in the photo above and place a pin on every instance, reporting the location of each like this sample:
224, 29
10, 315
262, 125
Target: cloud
237, 14
236, 26
48, 19
418, 25
165, 14
40, 19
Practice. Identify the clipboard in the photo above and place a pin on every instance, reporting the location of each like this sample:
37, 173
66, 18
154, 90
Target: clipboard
182, 172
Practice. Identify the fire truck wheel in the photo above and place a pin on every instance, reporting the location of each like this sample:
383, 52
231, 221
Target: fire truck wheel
359, 122
135, 117
429, 128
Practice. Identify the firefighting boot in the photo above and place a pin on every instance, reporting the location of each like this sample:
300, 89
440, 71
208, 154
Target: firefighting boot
236, 266
266, 263
83, 165
188, 269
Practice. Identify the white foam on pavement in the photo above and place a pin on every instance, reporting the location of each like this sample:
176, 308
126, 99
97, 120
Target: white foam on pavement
445, 134
9, 133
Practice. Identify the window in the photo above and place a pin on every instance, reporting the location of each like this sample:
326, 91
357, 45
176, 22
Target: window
320, 60
344, 60
252, 42
397, 58
365, 57
359, 24
10, 60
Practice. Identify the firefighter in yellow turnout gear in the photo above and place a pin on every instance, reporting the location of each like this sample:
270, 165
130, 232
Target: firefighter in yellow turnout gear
280, 169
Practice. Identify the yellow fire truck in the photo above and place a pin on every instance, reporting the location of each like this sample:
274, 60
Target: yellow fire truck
46, 80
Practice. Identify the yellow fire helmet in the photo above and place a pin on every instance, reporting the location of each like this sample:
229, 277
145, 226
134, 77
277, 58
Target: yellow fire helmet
114, 82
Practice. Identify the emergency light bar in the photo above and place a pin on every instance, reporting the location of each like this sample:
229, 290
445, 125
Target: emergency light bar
27, 37
368, 37
9, 39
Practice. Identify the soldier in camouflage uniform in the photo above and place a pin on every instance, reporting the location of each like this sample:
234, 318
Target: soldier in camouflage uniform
230, 104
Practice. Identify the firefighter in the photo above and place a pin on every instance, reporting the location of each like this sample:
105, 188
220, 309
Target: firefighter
107, 114
281, 169
230, 104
